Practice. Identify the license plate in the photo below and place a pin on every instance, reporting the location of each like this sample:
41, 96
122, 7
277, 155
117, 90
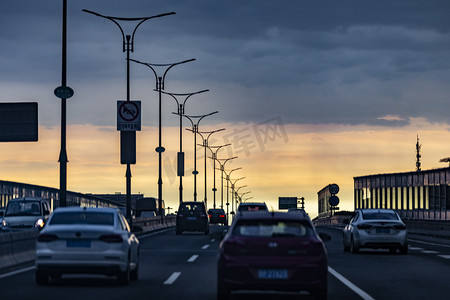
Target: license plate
273, 274
78, 243
382, 230
191, 218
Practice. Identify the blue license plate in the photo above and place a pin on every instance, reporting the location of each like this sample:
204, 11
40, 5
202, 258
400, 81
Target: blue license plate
78, 243
279, 274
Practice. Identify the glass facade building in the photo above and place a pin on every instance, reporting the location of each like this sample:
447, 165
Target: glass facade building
421, 195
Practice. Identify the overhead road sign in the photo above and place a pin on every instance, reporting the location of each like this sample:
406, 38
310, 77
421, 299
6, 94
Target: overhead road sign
287, 202
128, 115
19, 122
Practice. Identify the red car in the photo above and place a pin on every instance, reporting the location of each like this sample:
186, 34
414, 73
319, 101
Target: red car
273, 251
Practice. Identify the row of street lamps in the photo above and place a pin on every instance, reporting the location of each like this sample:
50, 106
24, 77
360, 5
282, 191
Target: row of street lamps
130, 136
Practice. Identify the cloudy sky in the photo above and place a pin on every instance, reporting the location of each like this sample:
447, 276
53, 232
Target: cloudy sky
310, 92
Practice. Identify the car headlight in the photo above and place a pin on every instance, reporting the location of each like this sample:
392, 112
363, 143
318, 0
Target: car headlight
4, 224
39, 223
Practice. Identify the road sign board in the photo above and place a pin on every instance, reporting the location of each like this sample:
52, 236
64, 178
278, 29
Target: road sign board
128, 115
334, 200
63, 92
287, 202
334, 189
19, 122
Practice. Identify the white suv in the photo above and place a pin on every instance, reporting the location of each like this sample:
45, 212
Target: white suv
25, 213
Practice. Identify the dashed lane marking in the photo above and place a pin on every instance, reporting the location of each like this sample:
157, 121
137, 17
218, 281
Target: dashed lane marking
430, 252
172, 278
415, 248
205, 247
445, 256
193, 258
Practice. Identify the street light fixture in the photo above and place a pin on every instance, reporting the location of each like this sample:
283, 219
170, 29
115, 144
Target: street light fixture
236, 197
128, 46
214, 156
205, 145
180, 156
195, 131
160, 81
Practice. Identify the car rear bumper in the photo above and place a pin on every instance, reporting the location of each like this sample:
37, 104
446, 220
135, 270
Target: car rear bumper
305, 277
365, 240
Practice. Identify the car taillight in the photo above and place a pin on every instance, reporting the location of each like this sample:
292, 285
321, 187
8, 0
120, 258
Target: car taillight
364, 226
111, 238
45, 238
222, 216
400, 227
210, 216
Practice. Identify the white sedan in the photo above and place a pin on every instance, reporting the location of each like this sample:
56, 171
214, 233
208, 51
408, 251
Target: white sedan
80, 240
375, 228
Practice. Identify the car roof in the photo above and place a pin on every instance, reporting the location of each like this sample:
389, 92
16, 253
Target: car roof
252, 204
81, 209
192, 202
365, 210
276, 215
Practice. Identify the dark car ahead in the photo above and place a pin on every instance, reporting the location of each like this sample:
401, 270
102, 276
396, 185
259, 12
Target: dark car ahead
192, 216
252, 206
217, 216
273, 251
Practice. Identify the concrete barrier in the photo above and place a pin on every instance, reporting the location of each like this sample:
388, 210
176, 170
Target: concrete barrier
17, 248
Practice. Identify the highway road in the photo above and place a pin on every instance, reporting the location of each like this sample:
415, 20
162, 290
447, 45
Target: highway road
184, 267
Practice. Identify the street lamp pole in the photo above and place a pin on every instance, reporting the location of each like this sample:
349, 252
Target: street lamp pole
228, 191
180, 156
128, 46
222, 169
214, 157
205, 145
195, 131
232, 193
160, 81
237, 195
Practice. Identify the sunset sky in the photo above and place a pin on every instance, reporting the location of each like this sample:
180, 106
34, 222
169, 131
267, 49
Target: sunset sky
310, 92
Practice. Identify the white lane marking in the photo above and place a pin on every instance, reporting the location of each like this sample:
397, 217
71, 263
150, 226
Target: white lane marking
16, 272
154, 233
205, 247
415, 248
193, 258
430, 252
429, 243
350, 285
213, 240
172, 278
445, 256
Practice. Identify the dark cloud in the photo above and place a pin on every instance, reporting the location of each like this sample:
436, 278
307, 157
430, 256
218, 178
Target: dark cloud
342, 62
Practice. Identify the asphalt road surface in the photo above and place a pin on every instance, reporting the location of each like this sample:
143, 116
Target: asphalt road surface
184, 267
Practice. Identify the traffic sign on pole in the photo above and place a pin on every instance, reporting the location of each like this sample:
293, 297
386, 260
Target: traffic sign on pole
128, 115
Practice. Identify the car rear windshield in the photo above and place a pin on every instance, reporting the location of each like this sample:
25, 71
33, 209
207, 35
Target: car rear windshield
192, 207
23, 208
272, 228
91, 218
379, 216
252, 208
217, 211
